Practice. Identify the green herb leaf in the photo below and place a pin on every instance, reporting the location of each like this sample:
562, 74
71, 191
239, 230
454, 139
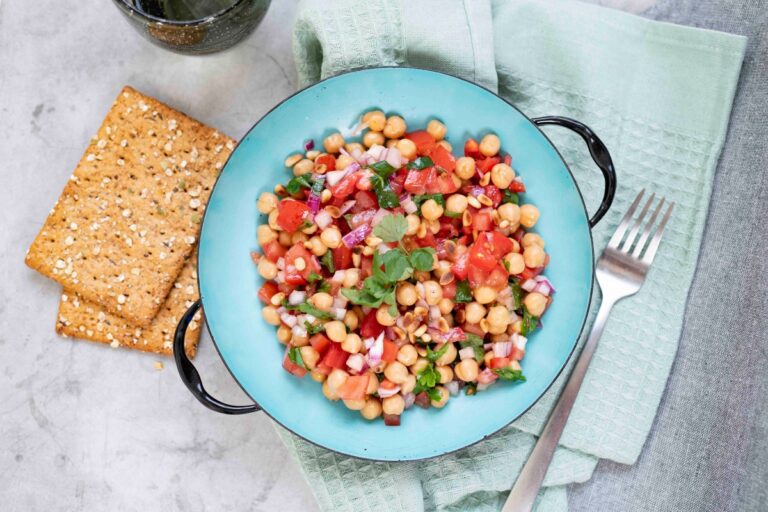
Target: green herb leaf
510, 197
324, 286
384, 193
294, 354
510, 374
421, 163
434, 394
506, 264
314, 277
517, 294
396, 266
421, 199
423, 258
306, 224
299, 182
383, 169
529, 323
476, 342
463, 292
427, 379
313, 329
327, 262
453, 215
392, 228
434, 356
470, 388
309, 309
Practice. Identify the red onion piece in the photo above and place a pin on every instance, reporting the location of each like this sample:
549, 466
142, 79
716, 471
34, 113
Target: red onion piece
297, 297
379, 216
356, 362
528, 285
454, 334
375, 153
467, 353
288, 319
502, 348
356, 236
299, 331
384, 393
392, 420
346, 206
407, 203
394, 158
338, 276
309, 145
452, 387
375, 350
422, 400
519, 341
544, 280
486, 376
313, 201
409, 399
323, 219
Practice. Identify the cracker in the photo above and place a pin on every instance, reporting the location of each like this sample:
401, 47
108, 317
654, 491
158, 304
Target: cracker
79, 318
129, 216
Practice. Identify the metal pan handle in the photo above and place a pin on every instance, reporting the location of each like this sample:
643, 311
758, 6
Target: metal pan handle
189, 374
599, 154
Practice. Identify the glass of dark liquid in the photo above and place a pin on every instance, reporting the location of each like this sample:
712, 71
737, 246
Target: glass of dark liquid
194, 27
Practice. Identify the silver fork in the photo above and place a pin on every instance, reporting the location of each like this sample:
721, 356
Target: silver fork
621, 271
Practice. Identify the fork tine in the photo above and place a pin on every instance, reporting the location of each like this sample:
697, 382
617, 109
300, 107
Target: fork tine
647, 231
627, 245
656, 240
622, 227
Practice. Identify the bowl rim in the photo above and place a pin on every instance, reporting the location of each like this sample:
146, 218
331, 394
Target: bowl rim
133, 11
578, 335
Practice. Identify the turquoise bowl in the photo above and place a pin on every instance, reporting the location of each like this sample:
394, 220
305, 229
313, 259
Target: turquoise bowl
229, 281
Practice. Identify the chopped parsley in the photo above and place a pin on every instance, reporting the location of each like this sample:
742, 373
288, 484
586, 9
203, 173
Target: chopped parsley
517, 294
510, 374
298, 183
421, 163
510, 197
463, 292
294, 354
529, 323
327, 261
392, 228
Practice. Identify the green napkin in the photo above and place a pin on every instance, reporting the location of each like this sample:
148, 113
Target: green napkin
659, 95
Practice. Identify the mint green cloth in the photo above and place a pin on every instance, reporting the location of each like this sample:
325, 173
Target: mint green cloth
659, 96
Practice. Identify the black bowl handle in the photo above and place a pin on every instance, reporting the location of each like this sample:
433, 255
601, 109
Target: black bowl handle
189, 373
599, 154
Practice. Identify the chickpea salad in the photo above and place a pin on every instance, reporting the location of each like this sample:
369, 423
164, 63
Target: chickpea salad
398, 274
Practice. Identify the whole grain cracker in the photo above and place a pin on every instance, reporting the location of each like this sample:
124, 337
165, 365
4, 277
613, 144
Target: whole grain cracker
80, 318
129, 216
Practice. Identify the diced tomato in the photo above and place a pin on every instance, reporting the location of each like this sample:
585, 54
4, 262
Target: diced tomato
443, 158
370, 327
427, 241
392, 420
266, 292
423, 140
507, 159
473, 328
481, 221
460, 267
416, 181
274, 250
342, 257
323, 368
486, 164
359, 218
292, 367
320, 342
397, 181
294, 275
449, 290
497, 278
328, 160
472, 148
482, 255
502, 245
499, 362
335, 357
291, 214
517, 186
530, 273
354, 387
517, 354
449, 228
286, 288
346, 186
444, 183
365, 200
390, 352
494, 194
387, 384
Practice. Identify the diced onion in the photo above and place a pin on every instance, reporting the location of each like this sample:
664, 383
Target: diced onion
393, 158
288, 319
323, 219
339, 313
384, 393
434, 313
383, 248
280, 263
502, 348
299, 331
280, 278
357, 235
338, 276
379, 216
375, 350
375, 152
346, 206
297, 297
528, 285
340, 301
467, 353
409, 399
519, 341
452, 387
309, 145
406, 201
356, 362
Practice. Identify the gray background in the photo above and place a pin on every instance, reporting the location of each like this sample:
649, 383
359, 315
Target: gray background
82, 428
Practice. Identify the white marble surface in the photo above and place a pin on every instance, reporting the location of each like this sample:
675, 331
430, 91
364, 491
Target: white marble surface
82, 426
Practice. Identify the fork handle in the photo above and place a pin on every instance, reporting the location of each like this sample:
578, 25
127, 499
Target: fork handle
527, 486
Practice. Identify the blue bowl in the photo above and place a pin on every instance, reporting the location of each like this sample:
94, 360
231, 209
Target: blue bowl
229, 281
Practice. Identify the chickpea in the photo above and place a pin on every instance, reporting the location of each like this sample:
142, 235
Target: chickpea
383, 316
375, 119
534, 256
430, 210
267, 202
515, 263
448, 357
465, 167
419, 366
355, 405
498, 319
300, 237
391, 143
373, 384
446, 374
474, 312
406, 294
352, 146
433, 293
329, 393
413, 224
299, 341
467, 370
351, 277
352, 343
532, 239
396, 372
490, 145
310, 356
372, 409
509, 212
535, 303
336, 378
331, 237
407, 148
351, 320
517, 326
373, 139
316, 246
265, 234
436, 129
267, 269
291, 160
456, 203
395, 127
445, 306
333, 143
407, 355
303, 166
272, 220
284, 238
409, 384
489, 356
271, 315
317, 376
336, 331
322, 301
485, 294
393, 404
529, 215
284, 334
502, 175
443, 397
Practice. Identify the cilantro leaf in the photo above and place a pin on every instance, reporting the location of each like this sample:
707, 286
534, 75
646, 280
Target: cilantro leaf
314, 277
308, 309
299, 182
384, 193
517, 294
423, 258
434, 356
510, 197
396, 265
392, 228
529, 324
421, 199
463, 292
510, 374
421, 163
383, 169
434, 394
313, 329
324, 286
294, 354
427, 379
470, 388
327, 262
476, 342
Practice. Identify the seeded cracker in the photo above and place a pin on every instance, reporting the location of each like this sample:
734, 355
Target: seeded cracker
79, 318
129, 216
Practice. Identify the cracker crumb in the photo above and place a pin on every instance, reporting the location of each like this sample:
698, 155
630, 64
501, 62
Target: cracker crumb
194, 204
121, 299
158, 365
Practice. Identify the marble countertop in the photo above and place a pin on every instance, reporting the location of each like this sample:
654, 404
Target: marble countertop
84, 427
